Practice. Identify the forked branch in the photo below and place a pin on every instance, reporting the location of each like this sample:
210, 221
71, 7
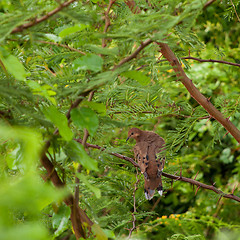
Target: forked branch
195, 93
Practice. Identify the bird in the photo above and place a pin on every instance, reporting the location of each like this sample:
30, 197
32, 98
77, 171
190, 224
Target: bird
146, 153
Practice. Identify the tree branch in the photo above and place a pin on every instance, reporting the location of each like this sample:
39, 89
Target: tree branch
50, 168
43, 18
134, 205
210, 60
134, 54
61, 45
201, 99
174, 177
107, 21
235, 10
208, 3
85, 137
132, 6
78, 216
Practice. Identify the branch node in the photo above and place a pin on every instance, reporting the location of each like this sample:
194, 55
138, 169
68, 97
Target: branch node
208, 99
219, 199
197, 190
196, 175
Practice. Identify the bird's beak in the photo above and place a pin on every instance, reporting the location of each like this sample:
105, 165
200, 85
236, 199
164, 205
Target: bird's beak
127, 139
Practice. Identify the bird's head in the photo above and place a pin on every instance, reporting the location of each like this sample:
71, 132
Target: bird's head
134, 133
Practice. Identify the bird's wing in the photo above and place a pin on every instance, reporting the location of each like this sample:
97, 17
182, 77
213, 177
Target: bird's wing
141, 155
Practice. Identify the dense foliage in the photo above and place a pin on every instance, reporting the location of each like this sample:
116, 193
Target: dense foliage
79, 51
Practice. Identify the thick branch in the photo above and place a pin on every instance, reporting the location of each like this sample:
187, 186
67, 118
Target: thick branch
178, 178
78, 216
43, 18
201, 99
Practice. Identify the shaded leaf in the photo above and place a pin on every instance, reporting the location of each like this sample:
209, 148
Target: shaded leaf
99, 107
88, 62
138, 76
77, 153
92, 188
70, 30
60, 121
60, 219
85, 118
12, 65
100, 235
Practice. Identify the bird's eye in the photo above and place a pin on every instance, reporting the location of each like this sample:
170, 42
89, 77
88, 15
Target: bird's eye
132, 133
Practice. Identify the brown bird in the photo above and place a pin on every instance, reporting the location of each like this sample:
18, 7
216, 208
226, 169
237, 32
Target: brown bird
146, 151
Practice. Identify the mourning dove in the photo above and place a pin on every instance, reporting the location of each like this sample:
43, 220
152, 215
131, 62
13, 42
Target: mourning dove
148, 146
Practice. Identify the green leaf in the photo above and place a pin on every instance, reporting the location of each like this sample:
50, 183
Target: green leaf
53, 37
100, 50
76, 152
92, 188
12, 65
60, 121
85, 118
88, 62
45, 90
138, 76
100, 235
72, 29
60, 219
99, 107
29, 141
226, 156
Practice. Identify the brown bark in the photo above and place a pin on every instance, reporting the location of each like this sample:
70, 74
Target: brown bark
41, 19
78, 216
200, 98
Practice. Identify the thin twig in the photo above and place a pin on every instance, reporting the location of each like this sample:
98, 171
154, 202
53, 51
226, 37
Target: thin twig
134, 54
174, 177
43, 18
107, 21
111, 153
50, 43
85, 137
235, 10
211, 60
134, 205
204, 60
154, 206
61, 45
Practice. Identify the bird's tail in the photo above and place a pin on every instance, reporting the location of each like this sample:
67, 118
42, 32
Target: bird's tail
150, 186
149, 193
